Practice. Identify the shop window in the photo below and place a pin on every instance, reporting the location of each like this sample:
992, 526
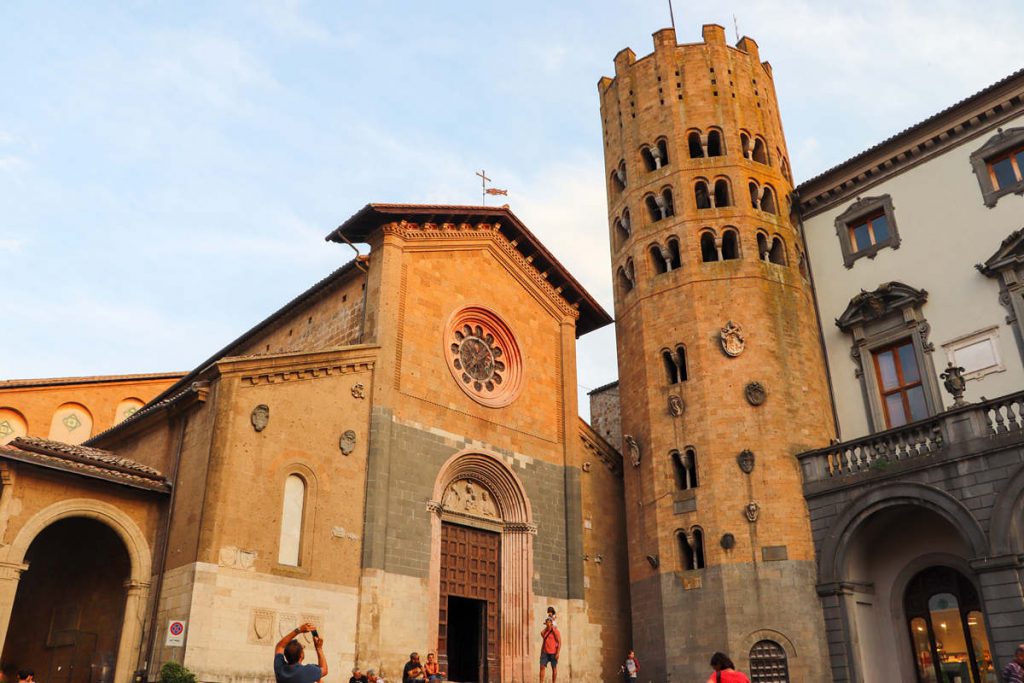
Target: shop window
708, 248
715, 148
999, 165
695, 146
867, 227
730, 245
768, 663
723, 195
293, 509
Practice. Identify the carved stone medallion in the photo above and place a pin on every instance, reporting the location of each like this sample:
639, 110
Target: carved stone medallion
358, 390
634, 449
675, 406
755, 393
262, 625
728, 541
259, 417
470, 498
752, 510
732, 339
746, 461
347, 442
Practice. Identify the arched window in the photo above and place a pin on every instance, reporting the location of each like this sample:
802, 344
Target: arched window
768, 663
762, 246
668, 208
71, 423
671, 369
802, 264
723, 195
618, 177
755, 194
715, 148
698, 546
674, 260
675, 364
760, 153
708, 249
662, 145
768, 201
694, 143
625, 284
691, 548
777, 254
292, 512
730, 245
701, 195
657, 259
785, 168
621, 232
653, 207
650, 160
745, 145
685, 467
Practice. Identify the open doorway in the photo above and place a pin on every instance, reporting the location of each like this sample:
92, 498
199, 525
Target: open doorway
467, 656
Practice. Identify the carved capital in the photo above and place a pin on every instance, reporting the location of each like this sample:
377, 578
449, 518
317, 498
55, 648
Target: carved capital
520, 528
12, 571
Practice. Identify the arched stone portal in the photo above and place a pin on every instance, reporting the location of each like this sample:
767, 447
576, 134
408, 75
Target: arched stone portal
476, 495
134, 581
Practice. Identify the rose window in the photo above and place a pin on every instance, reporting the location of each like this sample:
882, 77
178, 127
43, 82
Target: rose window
483, 356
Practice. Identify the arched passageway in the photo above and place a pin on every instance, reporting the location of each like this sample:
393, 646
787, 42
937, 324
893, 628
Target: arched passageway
69, 606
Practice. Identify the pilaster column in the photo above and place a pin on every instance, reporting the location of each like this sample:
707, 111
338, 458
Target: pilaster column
135, 599
517, 601
10, 576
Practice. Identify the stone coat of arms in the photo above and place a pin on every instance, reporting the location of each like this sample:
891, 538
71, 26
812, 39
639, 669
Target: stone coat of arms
733, 342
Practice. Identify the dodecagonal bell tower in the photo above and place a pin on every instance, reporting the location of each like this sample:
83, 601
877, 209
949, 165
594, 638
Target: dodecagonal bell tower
722, 378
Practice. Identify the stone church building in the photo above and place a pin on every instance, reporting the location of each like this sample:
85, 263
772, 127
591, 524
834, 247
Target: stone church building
396, 455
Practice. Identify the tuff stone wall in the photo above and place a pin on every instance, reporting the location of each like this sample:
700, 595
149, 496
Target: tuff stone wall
666, 96
606, 414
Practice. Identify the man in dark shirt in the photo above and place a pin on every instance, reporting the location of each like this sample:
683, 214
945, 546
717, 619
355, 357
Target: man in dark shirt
288, 656
357, 676
413, 671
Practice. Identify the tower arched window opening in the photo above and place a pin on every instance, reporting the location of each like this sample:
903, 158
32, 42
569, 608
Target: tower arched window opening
760, 152
618, 177
755, 195
621, 232
685, 467
785, 168
768, 201
671, 369
625, 283
698, 547
686, 554
674, 260
653, 208
762, 246
715, 147
745, 145
668, 208
730, 245
658, 259
701, 195
662, 146
651, 162
777, 253
802, 265
695, 145
708, 248
723, 196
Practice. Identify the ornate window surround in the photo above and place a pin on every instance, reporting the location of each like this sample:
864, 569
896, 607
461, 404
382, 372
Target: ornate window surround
1003, 141
1007, 264
879, 318
861, 208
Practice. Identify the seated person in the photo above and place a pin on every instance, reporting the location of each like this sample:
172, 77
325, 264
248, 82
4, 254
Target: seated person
433, 669
372, 677
413, 671
357, 676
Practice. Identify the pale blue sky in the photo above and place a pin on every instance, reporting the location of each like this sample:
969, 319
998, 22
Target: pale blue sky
168, 170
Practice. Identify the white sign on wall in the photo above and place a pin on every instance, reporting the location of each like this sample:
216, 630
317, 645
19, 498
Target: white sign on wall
175, 633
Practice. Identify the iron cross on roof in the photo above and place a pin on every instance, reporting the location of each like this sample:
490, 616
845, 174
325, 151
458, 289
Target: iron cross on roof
484, 190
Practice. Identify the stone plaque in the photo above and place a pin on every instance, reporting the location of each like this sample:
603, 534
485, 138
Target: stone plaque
774, 553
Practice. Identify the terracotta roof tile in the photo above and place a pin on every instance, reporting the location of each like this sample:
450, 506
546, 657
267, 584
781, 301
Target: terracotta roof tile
85, 461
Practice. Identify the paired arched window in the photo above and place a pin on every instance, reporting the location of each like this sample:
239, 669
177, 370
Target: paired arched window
685, 467
626, 276
768, 663
660, 206
691, 548
622, 229
618, 177
655, 156
665, 258
675, 364
292, 513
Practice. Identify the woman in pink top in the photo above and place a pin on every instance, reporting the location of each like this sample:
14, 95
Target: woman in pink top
724, 671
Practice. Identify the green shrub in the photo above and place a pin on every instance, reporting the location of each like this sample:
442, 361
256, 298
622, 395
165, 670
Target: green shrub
172, 672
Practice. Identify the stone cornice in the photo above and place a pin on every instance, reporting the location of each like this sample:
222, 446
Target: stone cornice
593, 443
965, 120
289, 367
459, 232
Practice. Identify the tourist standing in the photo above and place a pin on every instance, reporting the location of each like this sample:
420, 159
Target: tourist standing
631, 668
724, 671
289, 653
551, 645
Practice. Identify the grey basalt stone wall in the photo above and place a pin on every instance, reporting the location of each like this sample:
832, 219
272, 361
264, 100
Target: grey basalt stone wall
402, 465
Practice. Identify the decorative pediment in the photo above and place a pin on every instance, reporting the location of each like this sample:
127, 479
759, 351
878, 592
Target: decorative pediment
1009, 254
998, 142
888, 298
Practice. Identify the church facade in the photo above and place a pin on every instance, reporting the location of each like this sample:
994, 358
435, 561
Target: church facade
812, 458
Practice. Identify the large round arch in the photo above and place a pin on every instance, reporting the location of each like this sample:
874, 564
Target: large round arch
512, 518
12, 564
1006, 531
885, 496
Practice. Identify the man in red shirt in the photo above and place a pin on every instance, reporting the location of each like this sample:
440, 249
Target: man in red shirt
550, 647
